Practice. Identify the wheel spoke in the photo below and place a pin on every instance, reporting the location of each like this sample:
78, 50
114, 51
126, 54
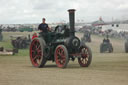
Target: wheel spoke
86, 59
39, 54
34, 47
38, 44
59, 52
62, 61
39, 47
36, 57
62, 54
39, 51
83, 60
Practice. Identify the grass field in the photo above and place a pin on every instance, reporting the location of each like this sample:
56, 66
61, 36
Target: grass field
105, 69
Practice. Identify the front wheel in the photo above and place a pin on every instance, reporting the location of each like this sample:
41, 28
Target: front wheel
61, 56
86, 56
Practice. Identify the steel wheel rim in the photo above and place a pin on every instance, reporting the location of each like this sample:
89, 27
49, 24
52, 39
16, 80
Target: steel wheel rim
60, 57
36, 53
84, 56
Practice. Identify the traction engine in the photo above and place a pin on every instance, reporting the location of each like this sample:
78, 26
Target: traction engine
60, 47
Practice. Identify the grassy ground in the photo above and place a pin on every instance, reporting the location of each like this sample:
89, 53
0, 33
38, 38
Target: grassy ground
105, 69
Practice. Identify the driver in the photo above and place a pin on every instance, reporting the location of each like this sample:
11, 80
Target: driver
43, 27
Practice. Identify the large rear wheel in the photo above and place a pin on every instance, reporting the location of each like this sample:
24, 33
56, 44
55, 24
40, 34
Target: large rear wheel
86, 56
61, 56
37, 52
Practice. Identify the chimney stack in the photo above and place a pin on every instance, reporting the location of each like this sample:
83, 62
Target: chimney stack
72, 21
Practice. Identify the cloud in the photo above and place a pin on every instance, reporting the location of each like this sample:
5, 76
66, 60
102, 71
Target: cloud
31, 11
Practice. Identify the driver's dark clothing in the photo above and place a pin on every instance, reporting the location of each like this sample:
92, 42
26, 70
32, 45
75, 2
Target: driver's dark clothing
44, 33
43, 27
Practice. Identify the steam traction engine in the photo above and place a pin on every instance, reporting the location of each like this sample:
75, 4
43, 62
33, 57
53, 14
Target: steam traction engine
20, 42
106, 46
60, 47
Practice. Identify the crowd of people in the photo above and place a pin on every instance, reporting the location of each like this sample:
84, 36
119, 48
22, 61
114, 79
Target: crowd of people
110, 33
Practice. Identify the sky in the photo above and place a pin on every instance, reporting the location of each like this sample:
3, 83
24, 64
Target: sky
32, 11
